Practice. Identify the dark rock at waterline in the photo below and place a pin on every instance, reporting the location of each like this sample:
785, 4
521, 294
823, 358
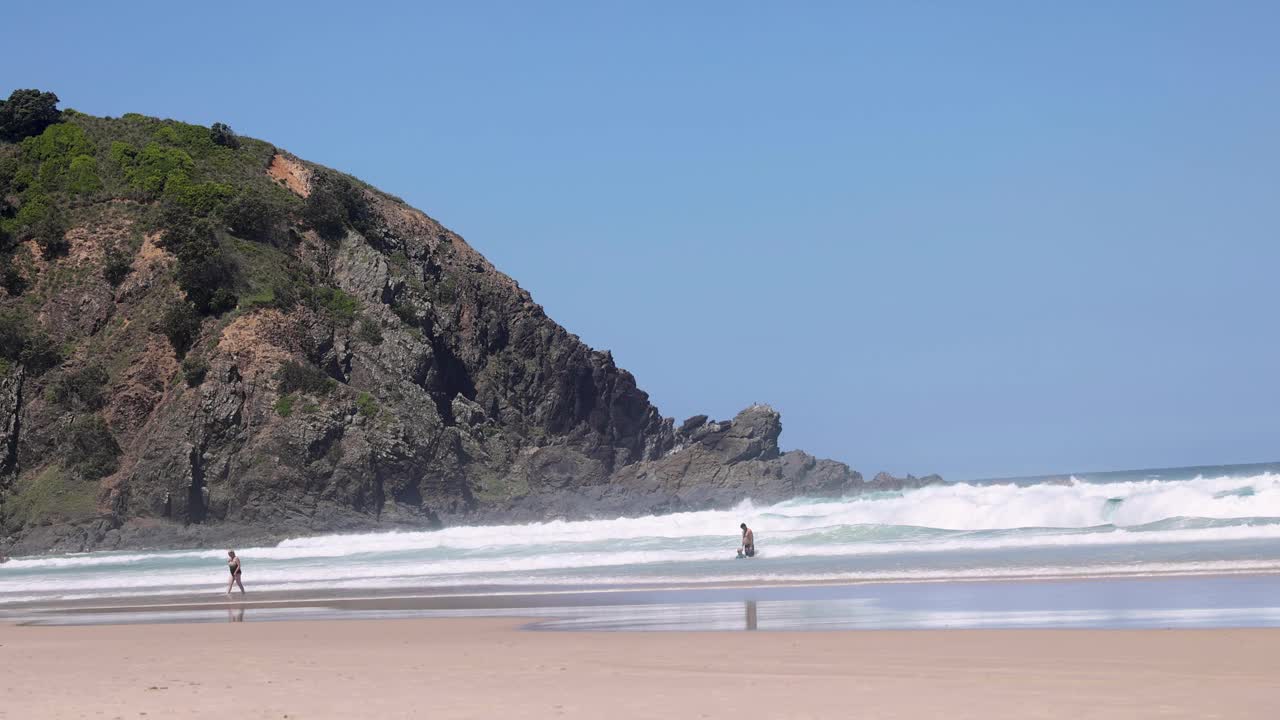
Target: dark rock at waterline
885, 481
714, 465
738, 459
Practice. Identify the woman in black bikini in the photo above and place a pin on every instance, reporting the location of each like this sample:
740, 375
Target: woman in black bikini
233, 564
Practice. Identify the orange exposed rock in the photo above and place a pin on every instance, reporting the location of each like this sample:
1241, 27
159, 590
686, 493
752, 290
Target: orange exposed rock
259, 342
151, 266
294, 175
89, 244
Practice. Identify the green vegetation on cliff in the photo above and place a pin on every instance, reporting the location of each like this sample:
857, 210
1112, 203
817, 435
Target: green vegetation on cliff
52, 495
23, 342
199, 186
204, 196
80, 389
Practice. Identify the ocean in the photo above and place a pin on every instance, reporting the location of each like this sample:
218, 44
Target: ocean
1213, 521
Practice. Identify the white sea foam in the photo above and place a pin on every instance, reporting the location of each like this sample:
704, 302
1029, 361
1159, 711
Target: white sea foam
948, 531
948, 507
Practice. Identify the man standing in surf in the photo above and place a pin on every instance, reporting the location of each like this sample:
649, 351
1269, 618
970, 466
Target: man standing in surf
748, 548
233, 564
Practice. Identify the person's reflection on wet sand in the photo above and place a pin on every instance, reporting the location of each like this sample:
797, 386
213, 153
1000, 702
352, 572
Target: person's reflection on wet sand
751, 614
235, 614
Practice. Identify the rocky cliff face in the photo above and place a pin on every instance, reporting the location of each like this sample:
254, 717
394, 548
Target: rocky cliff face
368, 371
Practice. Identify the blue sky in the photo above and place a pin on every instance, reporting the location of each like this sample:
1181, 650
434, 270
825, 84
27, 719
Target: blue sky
985, 238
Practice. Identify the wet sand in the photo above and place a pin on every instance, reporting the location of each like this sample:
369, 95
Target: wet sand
1222, 601
488, 668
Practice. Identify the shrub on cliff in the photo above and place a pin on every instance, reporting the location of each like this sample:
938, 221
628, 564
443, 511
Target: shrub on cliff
284, 405
82, 175
83, 388
60, 158
31, 211
13, 333
154, 167
50, 233
366, 405
359, 212
39, 354
222, 300
91, 449
250, 216
8, 170
27, 113
194, 370
40, 219
165, 172
117, 267
369, 331
407, 313
324, 212
12, 279
200, 198
181, 324
204, 272
338, 306
21, 341
297, 377
335, 202
172, 219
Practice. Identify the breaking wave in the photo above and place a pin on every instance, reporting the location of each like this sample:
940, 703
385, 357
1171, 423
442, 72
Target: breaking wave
959, 531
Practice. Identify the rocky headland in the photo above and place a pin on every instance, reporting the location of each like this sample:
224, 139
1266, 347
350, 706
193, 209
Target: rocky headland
205, 338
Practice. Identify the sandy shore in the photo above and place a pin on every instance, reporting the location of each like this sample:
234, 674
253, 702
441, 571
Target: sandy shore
489, 669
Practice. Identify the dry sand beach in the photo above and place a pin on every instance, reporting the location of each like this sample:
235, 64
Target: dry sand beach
489, 668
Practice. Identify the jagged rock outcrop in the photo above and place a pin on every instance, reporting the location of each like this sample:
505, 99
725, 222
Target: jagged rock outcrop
10, 415
433, 388
712, 464
885, 481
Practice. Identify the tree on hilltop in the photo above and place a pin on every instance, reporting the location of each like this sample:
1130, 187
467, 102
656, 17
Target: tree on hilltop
27, 113
223, 135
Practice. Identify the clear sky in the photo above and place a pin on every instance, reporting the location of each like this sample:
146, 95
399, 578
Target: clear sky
980, 238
